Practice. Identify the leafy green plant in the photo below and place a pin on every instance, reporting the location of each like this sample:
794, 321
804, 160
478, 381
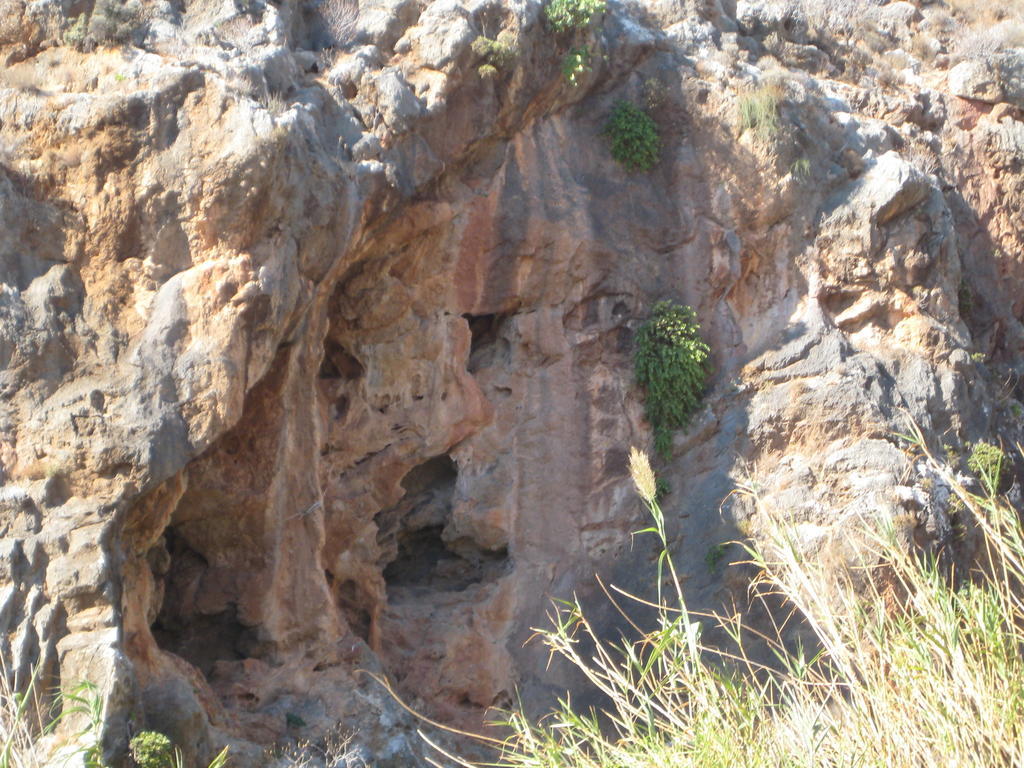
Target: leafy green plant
671, 363
498, 54
634, 137
151, 749
989, 463
575, 64
759, 111
566, 15
114, 22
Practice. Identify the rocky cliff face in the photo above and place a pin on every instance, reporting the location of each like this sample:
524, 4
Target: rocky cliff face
316, 344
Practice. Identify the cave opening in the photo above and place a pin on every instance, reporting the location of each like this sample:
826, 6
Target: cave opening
419, 556
486, 345
181, 626
339, 363
337, 371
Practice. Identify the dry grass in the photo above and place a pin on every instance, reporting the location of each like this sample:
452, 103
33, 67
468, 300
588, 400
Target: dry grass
19, 724
905, 662
983, 28
759, 109
11, 20
335, 750
274, 102
236, 30
341, 18
982, 40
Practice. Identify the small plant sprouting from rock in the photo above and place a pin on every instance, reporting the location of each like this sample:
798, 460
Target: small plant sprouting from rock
498, 54
567, 15
634, 137
575, 64
114, 22
713, 557
801, 168
151, 749
989, 463
671, 362
759, 111
75, 33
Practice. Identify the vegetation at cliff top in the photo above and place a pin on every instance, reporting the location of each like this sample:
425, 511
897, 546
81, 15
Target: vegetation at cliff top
566, 15
670, 360
907, 664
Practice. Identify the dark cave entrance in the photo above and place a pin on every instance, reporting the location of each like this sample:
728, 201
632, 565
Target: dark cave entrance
420, 557
181, 626
338, 369
487, 345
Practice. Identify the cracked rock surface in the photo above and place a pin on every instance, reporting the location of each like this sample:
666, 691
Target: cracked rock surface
316, 345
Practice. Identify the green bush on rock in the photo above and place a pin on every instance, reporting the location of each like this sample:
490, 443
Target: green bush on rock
634, 137
575, 64
671, 362
498, 54
566, 15
151, 749
114, 22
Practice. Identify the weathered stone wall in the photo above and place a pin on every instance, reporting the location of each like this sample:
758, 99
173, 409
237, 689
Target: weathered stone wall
317, 364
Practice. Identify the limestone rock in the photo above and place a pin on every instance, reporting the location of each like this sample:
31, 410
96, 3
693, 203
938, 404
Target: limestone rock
307, 372
976, 80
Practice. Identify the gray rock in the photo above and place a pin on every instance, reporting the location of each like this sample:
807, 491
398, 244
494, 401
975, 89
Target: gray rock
1011, 76
976, 79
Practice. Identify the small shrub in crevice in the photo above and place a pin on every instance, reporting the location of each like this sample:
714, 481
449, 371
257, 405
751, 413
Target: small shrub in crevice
74, 34
575, 64
634, 137
990, 464
498, 54
713, 557
114, 22
671, 363
759, 111
568, 15
151, 749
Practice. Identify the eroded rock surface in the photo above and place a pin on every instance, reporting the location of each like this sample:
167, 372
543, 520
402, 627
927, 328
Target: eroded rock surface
316, 352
